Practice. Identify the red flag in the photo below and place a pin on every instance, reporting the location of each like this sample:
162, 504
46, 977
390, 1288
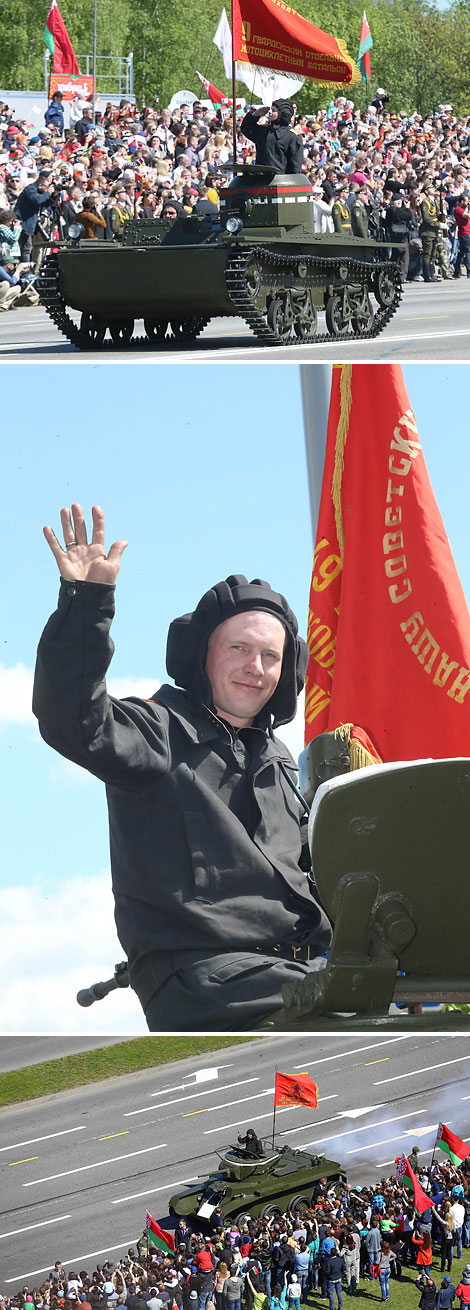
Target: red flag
56, 37
269, 34
408, 1179
389, 628
212, 92
292, 1090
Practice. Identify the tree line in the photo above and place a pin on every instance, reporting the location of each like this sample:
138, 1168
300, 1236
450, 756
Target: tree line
421, 53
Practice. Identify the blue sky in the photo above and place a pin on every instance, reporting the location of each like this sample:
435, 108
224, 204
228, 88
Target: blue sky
203, 470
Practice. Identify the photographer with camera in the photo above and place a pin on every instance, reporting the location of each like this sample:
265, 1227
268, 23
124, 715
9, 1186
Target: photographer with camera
29, 205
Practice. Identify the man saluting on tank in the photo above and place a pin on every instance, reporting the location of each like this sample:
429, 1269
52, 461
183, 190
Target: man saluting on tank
215, 908
276, 144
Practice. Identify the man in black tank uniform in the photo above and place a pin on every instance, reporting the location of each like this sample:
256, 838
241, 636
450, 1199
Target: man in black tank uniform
215, 908
276, 143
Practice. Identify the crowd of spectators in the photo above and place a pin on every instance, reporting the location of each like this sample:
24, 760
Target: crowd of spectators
341, 1237
409, 172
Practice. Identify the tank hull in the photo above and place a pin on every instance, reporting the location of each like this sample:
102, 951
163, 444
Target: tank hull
269, 268
285, 1183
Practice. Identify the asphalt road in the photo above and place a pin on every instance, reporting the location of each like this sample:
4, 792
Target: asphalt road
79, 1170
432, 323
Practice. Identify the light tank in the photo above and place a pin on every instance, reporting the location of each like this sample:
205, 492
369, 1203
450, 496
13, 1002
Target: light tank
261, 261
281, 1179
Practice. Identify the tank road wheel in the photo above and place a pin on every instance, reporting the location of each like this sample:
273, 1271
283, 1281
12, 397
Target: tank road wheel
156, 328
386, 284
271, 1212
300, 1203
278, 320
253, 278
306, 323
121, 331
363, 318
242, 1218
92, 330
336, 323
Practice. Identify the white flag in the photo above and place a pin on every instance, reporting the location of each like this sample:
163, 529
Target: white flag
268, 85
223, 41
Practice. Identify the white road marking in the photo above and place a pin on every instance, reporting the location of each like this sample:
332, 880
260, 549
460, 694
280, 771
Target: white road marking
208, 355
420, 1132
210, 1091
43, 1224
443, 1065
351, 1132
150, 1190
408, 1132
97, 1165
345, 1055
258, 1117
207, 1075
288, 1132
367, 1109
71, 1260
31, 1140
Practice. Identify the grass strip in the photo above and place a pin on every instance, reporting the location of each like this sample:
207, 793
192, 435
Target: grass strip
105, 1062
404, 1295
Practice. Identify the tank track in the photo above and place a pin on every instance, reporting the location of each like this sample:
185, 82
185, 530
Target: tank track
241, 296
53, 302
326, 267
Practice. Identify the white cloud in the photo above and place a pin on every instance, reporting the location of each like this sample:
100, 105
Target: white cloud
51, 945
16, 690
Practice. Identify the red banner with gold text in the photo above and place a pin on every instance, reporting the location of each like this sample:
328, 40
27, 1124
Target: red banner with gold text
269, 34
389, 627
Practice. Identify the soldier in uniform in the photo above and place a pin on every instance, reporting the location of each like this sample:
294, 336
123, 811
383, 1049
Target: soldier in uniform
214, 906
360, 213
429, 231
341, 213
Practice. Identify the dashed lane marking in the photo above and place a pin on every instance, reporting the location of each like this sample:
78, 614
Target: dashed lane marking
109, 1135
98, 1164
27, 1161
42, 1224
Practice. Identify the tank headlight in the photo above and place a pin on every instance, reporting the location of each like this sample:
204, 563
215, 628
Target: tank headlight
233, 225
76, 230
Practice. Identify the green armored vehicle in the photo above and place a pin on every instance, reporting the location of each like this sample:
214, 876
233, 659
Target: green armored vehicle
261, 261
281, 1179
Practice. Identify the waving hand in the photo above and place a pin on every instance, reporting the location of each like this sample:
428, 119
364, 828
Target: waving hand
80, 559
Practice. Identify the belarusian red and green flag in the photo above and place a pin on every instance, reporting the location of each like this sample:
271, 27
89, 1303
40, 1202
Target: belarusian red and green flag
408, 1179
365, 44
451, 1145
158, 1238
56, 37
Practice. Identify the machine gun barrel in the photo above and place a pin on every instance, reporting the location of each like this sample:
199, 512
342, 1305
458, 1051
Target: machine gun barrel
88, 995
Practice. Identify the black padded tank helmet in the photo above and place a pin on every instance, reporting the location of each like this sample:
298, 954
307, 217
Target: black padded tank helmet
188, 637
285, 110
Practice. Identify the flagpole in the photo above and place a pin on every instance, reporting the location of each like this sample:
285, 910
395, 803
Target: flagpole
274, 1106
94, 59
234, 101
315, 380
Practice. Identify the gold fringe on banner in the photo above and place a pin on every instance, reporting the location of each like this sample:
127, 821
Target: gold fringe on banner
359, 757
341, 435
